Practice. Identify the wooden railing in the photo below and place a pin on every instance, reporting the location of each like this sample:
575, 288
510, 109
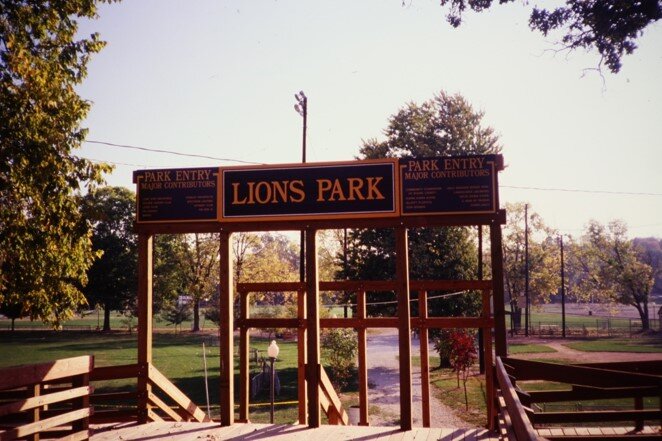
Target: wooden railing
50, 399
122, 406
596, 381
330, 401
514, 423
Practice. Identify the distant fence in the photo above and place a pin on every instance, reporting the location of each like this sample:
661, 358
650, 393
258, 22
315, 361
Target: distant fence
600, 327
38, 327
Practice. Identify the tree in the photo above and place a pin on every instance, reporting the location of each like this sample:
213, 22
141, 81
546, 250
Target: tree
45, 246
463, 355
339, 347
113, 277
442, 126
609, 26
176, 313
615, 268
544, 260
170, 278
202, 269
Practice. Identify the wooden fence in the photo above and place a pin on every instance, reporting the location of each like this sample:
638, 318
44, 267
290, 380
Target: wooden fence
49, 399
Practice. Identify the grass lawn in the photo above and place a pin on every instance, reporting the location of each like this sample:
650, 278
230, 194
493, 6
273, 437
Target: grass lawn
523, 348
619, 345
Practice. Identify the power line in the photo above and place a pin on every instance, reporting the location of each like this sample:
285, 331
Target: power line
576, 190
170, 152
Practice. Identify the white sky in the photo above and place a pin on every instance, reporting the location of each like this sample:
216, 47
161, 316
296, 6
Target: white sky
218, 78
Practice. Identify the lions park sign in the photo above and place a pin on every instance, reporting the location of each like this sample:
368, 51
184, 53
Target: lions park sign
357, 189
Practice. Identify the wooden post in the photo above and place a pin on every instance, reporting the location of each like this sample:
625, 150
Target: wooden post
497, 290
226, 328
313, 328
36, 412
425, 357
145, 242
404, 325
363, 365
301, 356
489, 372
244, 359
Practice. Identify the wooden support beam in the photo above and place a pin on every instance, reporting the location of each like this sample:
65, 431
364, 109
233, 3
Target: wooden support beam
226, 328
244, 359
425, 358
313, 326
145, 265
404, 326
491, 397
363, 364
301, 357
496, 251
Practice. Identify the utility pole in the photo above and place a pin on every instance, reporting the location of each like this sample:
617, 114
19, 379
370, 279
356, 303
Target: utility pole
526, 269
562, 289
302, 109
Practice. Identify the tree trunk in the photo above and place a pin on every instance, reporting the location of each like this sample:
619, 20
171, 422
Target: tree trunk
196, 316
106, 318
13, 319
643, 314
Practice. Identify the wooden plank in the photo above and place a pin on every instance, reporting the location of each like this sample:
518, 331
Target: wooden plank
77, 436
633, 437
82, 402
161, 381
114, 372
425, 359
404, 326
301, 358
41, 400
39, 426
153, 416
145, 265
158, 402
226, 298
25, 375
363, 362
489, 367
327, 388
594, 416
653, 367
313, 328
496, 251
244, 358
446, 220
579, 393
521, 424
579, 375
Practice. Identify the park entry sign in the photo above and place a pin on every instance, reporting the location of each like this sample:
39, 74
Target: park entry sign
344, 190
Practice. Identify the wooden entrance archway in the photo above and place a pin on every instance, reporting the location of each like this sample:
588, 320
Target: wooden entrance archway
210, 194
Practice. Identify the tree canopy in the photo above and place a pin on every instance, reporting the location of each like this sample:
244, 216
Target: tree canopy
442, 126
113, 276
45, 246
609, 26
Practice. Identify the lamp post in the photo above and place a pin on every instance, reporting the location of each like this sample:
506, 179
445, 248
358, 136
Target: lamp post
562, 288
272, 352
302, 109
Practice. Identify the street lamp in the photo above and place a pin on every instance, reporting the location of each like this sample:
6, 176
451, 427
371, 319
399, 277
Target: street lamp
272, 352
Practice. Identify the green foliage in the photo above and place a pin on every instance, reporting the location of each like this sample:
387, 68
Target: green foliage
544, 259
113, 277
169, 271
339, 347
45, 246
608, 266
176, 313
444, 125
609, 26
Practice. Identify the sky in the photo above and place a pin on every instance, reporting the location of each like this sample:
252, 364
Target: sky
218, 78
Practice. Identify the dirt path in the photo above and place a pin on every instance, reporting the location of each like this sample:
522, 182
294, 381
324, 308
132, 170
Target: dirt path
566, 353
384, 386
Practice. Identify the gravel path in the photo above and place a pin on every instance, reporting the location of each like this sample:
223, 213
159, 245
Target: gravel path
384, 386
